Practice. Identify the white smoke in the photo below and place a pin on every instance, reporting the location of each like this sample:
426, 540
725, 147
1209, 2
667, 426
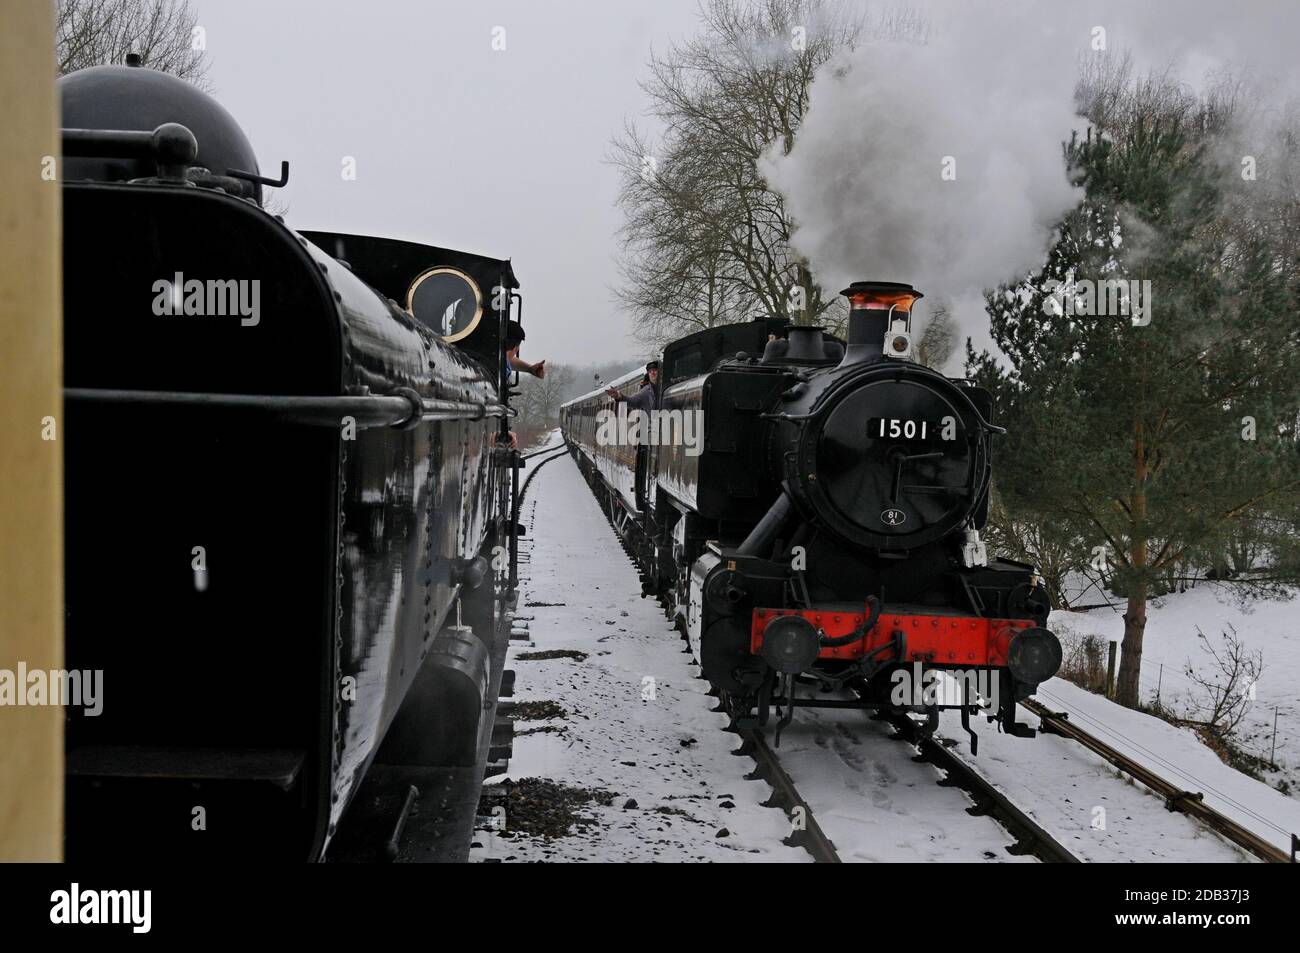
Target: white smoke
986, 91
936, 162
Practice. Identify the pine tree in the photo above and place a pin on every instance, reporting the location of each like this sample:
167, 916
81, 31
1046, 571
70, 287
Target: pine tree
1155, 442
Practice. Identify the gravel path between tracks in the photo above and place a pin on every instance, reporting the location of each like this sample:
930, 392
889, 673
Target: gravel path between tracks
679, 794
669, 755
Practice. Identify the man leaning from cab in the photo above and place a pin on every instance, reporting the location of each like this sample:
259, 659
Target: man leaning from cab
647, 398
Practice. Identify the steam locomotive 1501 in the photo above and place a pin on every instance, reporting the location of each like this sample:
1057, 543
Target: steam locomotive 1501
812, 510
289, 507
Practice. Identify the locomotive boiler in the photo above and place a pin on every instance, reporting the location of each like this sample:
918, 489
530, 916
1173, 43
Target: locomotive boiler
822, 547
287, 499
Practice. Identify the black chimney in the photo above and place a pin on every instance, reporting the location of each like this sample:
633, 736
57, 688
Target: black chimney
872, 306
805, 344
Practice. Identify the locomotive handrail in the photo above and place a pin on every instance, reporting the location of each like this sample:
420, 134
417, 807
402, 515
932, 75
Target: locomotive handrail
171, 145
367, 410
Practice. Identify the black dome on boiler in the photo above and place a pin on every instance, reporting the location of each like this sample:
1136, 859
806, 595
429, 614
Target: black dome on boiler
141, 99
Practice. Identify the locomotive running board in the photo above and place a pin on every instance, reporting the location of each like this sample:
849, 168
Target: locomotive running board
277, 767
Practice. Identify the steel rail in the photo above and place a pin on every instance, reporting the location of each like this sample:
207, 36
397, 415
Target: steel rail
533, 470
1176, 799
1031, 837
538, 451
807, 833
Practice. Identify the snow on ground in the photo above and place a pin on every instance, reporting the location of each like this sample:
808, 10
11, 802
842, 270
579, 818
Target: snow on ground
1270, 626
1093, 810
552, 438
1064, 784
1173, 752
877, 804
668, 754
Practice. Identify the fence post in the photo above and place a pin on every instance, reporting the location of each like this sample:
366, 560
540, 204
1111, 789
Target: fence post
1110, 670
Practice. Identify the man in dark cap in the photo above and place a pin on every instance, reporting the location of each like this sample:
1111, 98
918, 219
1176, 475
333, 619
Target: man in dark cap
515, 337
647, 398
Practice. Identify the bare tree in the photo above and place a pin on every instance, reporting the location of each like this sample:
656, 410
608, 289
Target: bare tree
551, 391
539, 400
1081, 660
98, 32
274, 203
938, 339
1222, 696
1050, 544
706, 241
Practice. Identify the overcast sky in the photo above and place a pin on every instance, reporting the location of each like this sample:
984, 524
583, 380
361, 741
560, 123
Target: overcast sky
503, 152
456, 144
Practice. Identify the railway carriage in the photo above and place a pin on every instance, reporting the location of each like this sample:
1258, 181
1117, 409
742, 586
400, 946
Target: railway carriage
613, 461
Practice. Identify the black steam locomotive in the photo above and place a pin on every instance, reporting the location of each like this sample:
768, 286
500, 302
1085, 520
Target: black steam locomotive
289, 519
812, 510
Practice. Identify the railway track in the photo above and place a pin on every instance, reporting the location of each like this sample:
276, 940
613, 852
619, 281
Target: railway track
1029, 837
560, 451
805, 831
1191, 803
538, 451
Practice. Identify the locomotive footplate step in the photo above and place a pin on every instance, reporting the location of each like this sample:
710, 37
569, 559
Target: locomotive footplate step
437, 828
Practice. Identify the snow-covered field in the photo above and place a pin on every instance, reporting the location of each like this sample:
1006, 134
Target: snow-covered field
1177, 754
638, 725
1270, 626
